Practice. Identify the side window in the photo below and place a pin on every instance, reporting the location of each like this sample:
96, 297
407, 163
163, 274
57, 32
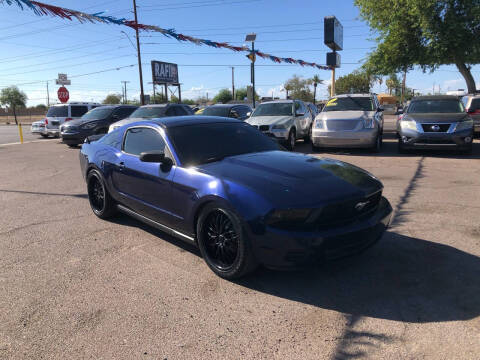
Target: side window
113, 139
170, 111
179, 110
475, 104
300, 107
123, 113
138, 140
240, 111
187, 109
78, 111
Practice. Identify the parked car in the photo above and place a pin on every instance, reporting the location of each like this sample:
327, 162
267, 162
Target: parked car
220, 184
472, 106
39, 127
236, 111
350, 120
153, 111
435, 122
96, 121
285, 120
60, 113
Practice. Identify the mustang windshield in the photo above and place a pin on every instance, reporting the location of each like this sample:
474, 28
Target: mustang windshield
149, 112
436, 106
203, 143
350, 103
274, 109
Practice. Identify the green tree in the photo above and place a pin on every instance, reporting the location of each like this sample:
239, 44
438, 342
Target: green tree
241, 94
173, 98
41, 107
425, 33
298, 88
355, 82
393, 84
112, 99
13, 97
315, 81
188, 101
223, 96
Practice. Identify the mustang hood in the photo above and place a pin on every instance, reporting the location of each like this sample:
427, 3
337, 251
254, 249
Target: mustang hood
299, 179
268, 120
437, 118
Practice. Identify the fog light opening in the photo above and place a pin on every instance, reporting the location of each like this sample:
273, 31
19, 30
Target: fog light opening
468, 139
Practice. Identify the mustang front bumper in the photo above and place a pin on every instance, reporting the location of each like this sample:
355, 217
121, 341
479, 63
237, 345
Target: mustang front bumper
282, 249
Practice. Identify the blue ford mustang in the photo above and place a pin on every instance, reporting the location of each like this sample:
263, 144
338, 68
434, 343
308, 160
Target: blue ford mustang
221, 184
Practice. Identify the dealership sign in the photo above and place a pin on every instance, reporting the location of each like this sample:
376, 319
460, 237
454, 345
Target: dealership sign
63, 80
164, 73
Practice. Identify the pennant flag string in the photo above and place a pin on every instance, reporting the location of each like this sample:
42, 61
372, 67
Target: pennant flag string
42, 9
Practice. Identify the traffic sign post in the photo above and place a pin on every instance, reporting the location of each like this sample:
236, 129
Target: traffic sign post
63, 94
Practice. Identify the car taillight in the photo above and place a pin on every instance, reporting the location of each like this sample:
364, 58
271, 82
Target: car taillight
68, 119
46, 121
400, 117
474, 111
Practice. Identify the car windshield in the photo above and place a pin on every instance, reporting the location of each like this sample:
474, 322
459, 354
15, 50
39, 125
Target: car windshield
349, 103
274, 109
203, 143
98, 113
58, 111
216, 111
436, 106
149, 112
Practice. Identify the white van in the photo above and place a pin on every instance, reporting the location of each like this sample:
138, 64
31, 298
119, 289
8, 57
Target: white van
60, 113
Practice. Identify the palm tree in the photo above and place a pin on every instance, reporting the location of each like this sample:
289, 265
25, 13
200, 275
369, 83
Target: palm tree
315, 81
287, 88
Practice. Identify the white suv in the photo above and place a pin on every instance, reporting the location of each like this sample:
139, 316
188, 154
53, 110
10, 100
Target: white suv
60, 113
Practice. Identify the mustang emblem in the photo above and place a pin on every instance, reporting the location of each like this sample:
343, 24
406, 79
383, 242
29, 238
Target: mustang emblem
361, 205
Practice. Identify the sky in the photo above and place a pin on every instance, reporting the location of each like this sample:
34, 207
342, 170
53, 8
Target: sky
33, 49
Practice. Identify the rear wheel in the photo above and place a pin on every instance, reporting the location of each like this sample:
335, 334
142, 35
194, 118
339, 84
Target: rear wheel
401, 147
223, 243
100, 201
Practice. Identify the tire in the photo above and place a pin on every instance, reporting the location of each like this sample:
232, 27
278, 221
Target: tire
377, 147
401, 148
467, 151
72, 145
307, 138
223, 243
100, 200
44, 136
291, 140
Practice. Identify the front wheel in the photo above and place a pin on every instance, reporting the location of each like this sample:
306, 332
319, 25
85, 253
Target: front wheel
308, 137
291, 140
223, 243
44, 136
100, 201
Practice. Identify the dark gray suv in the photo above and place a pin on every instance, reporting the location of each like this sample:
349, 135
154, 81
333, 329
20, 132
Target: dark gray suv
432, 122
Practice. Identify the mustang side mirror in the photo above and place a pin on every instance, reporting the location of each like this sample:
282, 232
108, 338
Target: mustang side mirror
157, 156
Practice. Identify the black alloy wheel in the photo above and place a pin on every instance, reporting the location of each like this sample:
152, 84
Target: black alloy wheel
222, 242
100, 201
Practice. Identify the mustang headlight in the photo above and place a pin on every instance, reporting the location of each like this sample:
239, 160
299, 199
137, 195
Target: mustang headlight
408, 124
90, 125
464, 125
318, 124
288, 216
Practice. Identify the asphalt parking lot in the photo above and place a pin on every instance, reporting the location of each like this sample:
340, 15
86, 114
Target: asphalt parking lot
74, 286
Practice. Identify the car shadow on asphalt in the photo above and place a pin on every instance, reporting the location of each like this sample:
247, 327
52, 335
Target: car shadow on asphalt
401, 278
390, 149
81, 196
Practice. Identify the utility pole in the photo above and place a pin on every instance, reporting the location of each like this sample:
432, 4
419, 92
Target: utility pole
125, 91
48, 96
403, 86
207, 97
253, 75
233, 83
142, 98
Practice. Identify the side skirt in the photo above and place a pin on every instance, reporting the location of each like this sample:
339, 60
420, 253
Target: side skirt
156, 224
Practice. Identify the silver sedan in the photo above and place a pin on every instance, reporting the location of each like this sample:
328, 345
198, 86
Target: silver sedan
352, 121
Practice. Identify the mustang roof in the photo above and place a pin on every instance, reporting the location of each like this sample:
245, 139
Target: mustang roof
173, 121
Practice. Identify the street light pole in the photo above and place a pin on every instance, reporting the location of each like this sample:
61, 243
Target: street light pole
253, 74
142, 98
233, 83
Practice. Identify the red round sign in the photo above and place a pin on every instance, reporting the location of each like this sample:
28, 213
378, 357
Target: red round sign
63, 94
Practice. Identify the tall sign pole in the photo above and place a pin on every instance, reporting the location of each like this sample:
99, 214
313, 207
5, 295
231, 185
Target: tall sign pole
251, 38
233, 83
332, 86
142, 98
333, 38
